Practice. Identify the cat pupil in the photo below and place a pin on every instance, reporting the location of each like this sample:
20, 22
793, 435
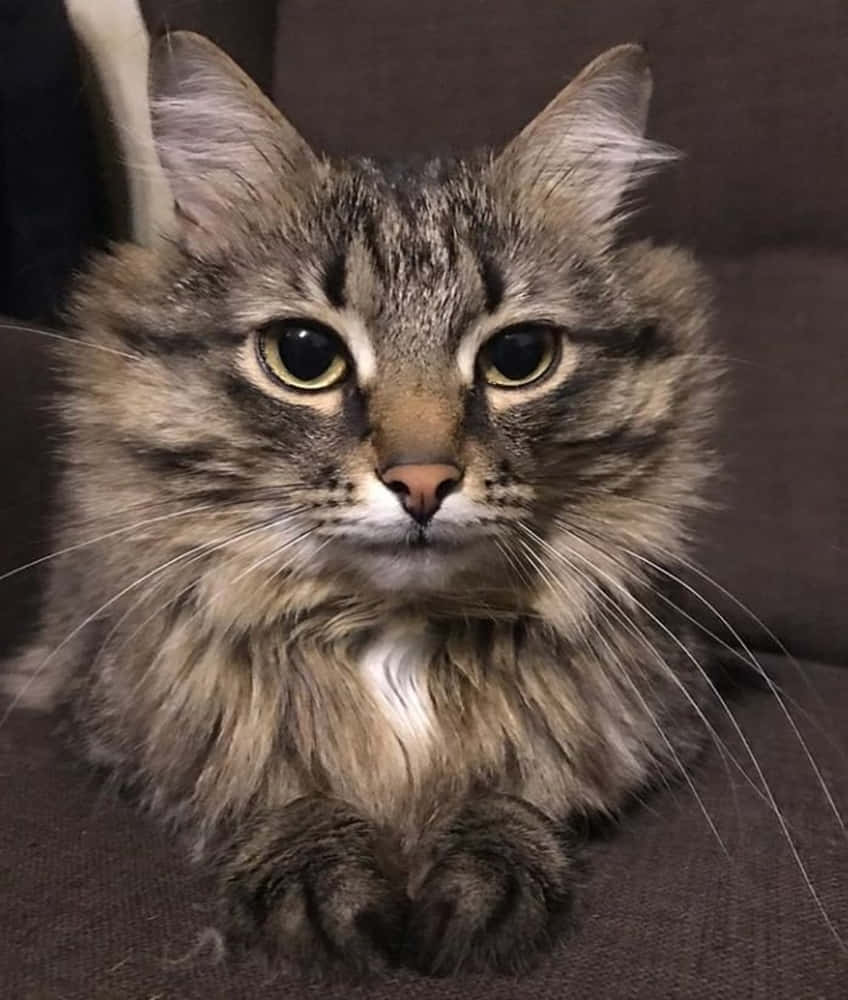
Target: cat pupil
306, 353
516, 354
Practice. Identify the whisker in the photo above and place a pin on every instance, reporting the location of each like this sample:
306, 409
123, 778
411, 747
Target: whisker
768, 632
802, 868
773, 688
95, 614
250, 498
504, 548
272, 525
734, 651
100, 538
625, 619
749, 659
632, 628
674, 755
198, 611
273, 555
71, 340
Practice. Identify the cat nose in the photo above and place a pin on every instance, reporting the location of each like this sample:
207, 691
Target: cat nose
421, 488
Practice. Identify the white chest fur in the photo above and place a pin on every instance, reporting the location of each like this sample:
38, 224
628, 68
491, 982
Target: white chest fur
393, 667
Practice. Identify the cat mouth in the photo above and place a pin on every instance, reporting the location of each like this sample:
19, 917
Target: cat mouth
409, 547
412, 559
418, 540
415, 543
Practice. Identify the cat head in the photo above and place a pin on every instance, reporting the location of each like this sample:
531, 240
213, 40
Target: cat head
423, 384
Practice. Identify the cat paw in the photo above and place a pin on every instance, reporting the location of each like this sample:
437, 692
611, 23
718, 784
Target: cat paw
306, 887
495, 894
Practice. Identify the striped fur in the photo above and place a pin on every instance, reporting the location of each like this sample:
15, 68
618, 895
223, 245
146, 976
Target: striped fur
379, 742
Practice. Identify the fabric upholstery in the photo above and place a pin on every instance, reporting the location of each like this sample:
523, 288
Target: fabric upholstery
779, 538
98, 904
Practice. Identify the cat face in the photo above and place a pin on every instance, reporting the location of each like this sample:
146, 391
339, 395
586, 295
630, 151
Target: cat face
416, 376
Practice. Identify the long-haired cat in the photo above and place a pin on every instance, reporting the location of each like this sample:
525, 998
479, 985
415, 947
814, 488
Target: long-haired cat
365, 475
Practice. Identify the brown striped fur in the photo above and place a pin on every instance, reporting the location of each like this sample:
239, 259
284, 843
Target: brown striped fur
219, 668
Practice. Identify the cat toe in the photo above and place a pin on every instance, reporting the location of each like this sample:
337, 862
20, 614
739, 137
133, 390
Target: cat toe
316, 900
344, 918
495, 898
473, 915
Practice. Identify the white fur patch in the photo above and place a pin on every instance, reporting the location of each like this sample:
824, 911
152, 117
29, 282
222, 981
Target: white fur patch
356, 336
394, 669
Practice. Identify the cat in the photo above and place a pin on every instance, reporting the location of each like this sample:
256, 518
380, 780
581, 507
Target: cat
367, 477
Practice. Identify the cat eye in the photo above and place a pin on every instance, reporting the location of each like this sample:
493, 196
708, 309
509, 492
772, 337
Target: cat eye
302, 354
518, 355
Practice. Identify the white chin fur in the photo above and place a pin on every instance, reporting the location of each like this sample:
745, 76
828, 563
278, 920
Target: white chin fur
410, 571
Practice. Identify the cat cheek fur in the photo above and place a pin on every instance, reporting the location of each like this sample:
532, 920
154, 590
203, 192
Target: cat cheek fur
378, 771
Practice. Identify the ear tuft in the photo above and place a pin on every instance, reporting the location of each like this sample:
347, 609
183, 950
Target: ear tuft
588, 144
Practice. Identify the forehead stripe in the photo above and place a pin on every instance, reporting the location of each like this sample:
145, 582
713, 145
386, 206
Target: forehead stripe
334, 279
493, 282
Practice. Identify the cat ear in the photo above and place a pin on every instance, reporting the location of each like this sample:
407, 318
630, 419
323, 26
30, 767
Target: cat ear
588, 144
219, 139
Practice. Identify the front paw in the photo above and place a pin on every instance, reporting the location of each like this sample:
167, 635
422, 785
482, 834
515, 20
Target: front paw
306, 886
495, 894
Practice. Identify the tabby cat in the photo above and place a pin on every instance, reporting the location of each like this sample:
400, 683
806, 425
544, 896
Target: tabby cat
368, 473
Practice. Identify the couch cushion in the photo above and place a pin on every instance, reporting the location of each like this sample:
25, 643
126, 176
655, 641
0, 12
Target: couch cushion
98, 904
779, 541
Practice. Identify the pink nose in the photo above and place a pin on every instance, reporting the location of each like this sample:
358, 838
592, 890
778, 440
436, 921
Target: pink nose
421, 488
